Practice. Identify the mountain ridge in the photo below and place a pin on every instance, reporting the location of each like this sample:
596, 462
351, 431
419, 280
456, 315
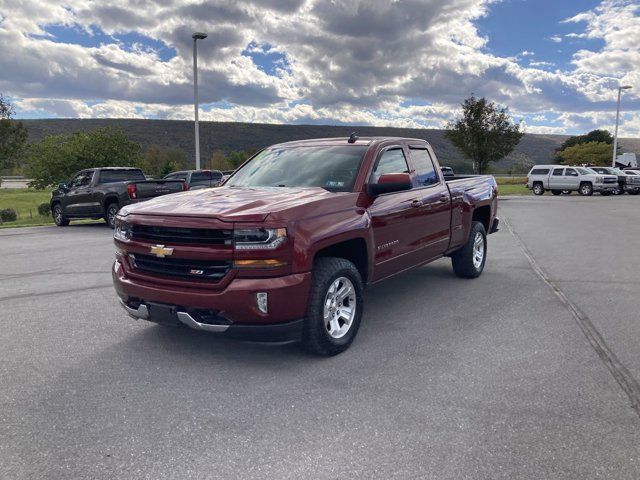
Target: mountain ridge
229, 136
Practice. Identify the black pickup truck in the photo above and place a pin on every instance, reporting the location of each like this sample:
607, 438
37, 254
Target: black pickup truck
101, 192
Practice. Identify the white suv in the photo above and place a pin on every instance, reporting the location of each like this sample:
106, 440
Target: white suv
561, 178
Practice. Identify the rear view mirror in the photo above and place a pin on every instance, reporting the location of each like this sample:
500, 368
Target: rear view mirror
390, 182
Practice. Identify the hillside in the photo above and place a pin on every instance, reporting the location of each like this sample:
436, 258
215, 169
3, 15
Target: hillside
229, 136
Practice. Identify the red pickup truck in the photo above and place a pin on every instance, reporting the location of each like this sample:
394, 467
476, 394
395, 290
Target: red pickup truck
284, 249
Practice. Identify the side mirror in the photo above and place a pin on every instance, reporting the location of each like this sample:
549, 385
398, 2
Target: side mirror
390, 182
63, 187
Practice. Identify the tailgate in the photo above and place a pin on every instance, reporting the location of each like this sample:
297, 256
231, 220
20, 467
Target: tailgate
155, 188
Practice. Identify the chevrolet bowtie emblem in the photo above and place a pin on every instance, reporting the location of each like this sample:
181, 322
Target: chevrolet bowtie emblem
161, 251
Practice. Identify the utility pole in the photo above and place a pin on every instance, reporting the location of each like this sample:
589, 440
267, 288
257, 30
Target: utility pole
196, 36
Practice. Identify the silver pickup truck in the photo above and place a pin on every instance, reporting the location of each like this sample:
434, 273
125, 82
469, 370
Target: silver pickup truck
628, 181
561, 178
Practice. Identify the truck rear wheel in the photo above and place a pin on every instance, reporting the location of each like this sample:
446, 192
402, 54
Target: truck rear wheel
538, 189
556, 192
335, 307
468, 262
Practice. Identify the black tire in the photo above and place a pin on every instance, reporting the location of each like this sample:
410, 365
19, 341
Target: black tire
633, 192
464, 261
58, 216
566, 192
110, 212
586, 189
316, 338
556, 192
619, 190
605, 193
538, 188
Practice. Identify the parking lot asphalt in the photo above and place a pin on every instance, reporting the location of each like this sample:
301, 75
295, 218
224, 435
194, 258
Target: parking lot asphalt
448, 378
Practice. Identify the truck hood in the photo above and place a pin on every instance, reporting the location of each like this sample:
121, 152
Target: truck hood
232, 204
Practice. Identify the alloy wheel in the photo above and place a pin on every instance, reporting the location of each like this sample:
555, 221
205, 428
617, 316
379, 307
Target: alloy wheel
339, 307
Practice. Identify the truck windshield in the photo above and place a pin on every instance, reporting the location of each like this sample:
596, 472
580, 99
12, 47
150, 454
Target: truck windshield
333, 168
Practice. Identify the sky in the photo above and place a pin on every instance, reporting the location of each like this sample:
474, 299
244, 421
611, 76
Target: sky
555, 65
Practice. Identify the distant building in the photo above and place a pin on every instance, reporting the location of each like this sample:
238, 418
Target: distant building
626, 160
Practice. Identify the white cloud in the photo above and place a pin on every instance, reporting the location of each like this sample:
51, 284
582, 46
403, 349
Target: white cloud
333, 66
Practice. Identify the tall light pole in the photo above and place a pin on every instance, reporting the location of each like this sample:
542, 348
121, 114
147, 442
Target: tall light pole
196, 36
615, 135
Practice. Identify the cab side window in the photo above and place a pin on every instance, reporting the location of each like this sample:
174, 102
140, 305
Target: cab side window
391, 161
570, 172
83, 179
557, 172
425, 171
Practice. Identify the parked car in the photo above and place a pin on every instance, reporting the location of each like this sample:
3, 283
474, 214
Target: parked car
283, 250
447, 171
560, 178
197, 179
627, 182
101, 192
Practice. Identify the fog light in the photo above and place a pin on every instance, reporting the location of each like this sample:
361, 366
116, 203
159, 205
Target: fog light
262, 301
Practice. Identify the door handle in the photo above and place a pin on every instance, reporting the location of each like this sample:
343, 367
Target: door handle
416, 203
444, 197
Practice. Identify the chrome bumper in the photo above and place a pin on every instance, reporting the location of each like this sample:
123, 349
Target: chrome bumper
142, 312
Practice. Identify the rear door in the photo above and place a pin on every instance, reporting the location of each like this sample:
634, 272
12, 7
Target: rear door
556, 179
431, 190
396, 218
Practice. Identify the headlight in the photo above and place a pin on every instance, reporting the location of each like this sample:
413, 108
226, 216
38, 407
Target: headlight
122, 230
599, 179
259, 238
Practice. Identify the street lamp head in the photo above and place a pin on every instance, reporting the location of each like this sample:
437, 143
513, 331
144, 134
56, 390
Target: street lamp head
625, 87
199, 36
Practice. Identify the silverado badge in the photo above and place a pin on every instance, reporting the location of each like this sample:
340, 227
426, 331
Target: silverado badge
161, 251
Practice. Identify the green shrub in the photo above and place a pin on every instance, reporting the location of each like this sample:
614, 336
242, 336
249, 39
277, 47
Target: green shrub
44, 209
8, 215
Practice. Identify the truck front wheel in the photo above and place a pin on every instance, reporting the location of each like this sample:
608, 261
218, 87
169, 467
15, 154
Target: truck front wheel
586, 189
58, 216
110, 214
468, 262
335, 307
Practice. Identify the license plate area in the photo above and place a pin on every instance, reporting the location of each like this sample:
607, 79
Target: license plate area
161, 313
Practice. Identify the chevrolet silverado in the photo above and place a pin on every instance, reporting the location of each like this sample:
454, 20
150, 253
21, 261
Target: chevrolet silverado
282, 251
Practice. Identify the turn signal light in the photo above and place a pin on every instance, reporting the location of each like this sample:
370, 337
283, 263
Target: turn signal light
266, 263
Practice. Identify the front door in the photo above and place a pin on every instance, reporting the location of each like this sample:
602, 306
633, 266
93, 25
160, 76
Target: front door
571, 179
77, 201
397, 219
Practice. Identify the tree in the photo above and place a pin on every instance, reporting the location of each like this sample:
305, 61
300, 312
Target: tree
13, 136
596, 153
592, 136
57, 157
159, 161
219, 161
484, 133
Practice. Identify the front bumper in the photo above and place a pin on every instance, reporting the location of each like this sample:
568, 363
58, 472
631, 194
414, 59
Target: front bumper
605, 187
178, 316
233, 306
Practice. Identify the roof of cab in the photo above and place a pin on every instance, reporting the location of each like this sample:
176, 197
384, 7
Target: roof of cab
366, 141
